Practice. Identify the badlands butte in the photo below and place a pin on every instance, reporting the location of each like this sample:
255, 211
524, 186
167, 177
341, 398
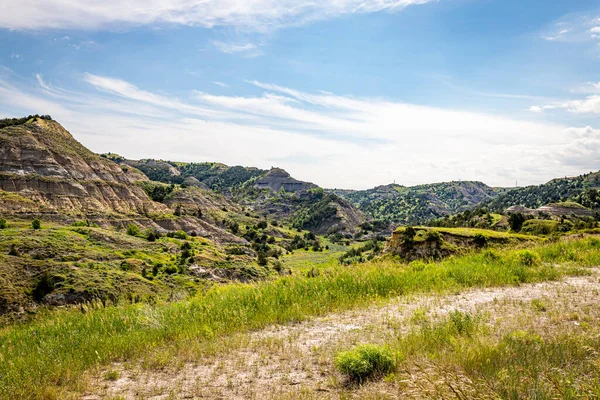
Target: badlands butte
143, 230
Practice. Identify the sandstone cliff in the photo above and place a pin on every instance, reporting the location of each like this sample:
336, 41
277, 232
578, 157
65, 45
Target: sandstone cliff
44, 169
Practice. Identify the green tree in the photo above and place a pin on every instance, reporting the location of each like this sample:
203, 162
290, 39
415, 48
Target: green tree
133, 230
36, 224
516, 221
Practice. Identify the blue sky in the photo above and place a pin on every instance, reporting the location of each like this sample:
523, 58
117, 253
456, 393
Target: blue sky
346, 93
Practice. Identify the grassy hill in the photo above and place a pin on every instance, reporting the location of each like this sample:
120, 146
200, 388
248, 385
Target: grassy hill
418, 204
216, 176
583, 189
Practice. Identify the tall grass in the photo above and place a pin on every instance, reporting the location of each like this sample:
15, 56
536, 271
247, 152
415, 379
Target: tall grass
46, 358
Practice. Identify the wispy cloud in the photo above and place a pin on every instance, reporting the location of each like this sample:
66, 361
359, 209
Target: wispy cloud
245, 49
588, 105
224, 85
333, 140
557, 35
574, 28
254, 15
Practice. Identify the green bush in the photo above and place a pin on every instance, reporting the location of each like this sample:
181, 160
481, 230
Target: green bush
133, 230
480, 240
364, 362
180, 235
433, 237
36, 224
3, 224
80, 223
529, 258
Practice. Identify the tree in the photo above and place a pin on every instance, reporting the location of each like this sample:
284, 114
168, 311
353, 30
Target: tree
3, 224
516, 221
133, 230
36, 224
261, 258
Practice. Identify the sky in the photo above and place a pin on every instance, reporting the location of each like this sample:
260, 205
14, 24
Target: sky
343, 93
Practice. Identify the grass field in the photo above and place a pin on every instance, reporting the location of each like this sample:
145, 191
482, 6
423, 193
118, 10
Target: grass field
46, 358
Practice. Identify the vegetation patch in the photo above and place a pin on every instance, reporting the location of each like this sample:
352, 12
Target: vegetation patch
51, 354
364, 362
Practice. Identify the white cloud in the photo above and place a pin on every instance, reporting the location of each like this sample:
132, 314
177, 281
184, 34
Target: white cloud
583, 149
246, 49
255, 15
220, 84
589, 105
557, 35
581, 27
332, 140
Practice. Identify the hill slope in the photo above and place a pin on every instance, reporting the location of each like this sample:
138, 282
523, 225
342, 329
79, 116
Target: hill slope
48, 171
418, 204
582, 189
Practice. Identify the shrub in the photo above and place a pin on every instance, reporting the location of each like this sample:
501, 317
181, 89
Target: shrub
170, 269
261, 258
152, 235
528, 258
80, 223
3, 224
262, 225
13, 251
480, 240
133, 230
364, 362
36, 224
180, 235
433, 237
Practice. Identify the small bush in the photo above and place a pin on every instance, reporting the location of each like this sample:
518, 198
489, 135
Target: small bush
480, 240
133, 230
170, 269
112, 375
36, 224
3, 224
180, 235
528, 258
433, 237
13, 251
80, 223
364, 362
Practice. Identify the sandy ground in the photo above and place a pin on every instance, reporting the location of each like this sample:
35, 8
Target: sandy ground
296, 361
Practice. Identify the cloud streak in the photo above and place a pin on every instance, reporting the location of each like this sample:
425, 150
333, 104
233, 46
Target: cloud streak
252, 15
333, 140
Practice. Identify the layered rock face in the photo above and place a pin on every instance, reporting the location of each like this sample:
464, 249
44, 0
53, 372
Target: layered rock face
277, 178
44, 169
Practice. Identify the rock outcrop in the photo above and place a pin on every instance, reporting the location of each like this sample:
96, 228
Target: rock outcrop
277, 178
44, 169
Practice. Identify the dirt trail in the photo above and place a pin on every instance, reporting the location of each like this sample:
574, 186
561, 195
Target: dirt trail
295, 361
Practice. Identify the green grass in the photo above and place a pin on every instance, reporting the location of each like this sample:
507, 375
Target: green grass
464, 355
540, 227
303, 261
567, 204
50, 355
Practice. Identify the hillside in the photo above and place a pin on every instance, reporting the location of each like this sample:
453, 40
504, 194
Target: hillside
213, 175
272, 193
418, 204
583, 189
45, 170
